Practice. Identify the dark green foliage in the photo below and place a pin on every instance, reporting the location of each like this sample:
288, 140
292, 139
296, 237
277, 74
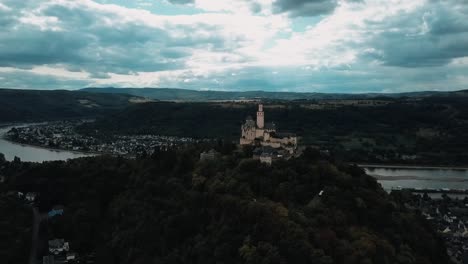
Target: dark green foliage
171, 94
15, 229
36, 105
433, 129
171, 208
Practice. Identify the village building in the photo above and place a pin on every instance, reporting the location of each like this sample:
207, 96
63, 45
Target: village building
270, 143
31, 197
57, 246
71, 256
209, 155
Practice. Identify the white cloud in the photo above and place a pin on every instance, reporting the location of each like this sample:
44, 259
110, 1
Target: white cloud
234, 45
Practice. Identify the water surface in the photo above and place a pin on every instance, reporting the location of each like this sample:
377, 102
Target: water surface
420, 177
32, 153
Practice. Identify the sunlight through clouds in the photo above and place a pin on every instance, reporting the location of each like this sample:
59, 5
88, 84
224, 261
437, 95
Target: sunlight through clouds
300, 45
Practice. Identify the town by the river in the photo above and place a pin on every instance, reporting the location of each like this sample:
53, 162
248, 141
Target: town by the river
33, 153
391, 177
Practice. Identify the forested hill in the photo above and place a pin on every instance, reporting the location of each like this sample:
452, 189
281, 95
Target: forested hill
171, 94
171, 208
428, 131
42, 105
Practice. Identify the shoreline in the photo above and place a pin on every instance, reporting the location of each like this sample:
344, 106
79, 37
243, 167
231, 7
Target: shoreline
417, 178
411, 167
88, 153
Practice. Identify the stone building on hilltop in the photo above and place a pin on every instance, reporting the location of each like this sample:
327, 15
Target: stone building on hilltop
265, 137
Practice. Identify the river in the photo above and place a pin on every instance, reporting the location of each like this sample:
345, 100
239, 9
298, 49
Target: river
32, 153
392, 177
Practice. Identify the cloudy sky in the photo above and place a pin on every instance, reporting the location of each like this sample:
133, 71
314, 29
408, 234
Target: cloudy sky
275, 45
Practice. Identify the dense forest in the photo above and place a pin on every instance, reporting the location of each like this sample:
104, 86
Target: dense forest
172, 208
15, 222
172, 94
15, 229
42, 105
416, 131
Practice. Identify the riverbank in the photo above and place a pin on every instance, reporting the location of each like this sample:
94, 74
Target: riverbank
90, 153
399, 178
412, 167
32, 153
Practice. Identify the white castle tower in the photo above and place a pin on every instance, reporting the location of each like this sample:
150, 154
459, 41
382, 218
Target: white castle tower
260, 117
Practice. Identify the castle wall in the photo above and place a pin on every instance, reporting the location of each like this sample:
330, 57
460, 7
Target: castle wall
256, 133
249, 133
285, 141
271, 144
259, 133
244, 141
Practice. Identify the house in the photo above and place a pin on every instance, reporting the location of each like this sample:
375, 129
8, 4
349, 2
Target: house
209, 155
31, 197
71, 256
56, 210
57, 246
266, 158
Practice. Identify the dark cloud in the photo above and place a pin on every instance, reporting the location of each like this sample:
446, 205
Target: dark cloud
358, 79
305, 7
101, 42
85, 40
19, 79
432, 36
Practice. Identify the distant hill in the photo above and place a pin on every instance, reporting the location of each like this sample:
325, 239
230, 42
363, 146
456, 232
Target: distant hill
172, 94
432, 128
40, 105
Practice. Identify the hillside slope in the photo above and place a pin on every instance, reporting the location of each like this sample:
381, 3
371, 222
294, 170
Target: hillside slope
40, 105
172, 94
171, 208
431, 131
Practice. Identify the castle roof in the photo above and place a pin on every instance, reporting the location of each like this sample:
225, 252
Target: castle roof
249, 122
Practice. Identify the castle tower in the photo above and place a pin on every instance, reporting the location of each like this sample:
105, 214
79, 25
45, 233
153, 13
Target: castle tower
260, 117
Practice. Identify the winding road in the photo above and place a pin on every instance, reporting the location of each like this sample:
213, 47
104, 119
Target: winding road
37, 219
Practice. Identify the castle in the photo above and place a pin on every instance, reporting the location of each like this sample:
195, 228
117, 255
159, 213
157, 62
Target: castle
271, 144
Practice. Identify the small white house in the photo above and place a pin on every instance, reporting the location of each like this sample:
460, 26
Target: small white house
71, 256
31, 197
266, 158
57, 246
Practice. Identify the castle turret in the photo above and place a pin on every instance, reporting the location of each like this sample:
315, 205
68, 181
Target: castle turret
260, 117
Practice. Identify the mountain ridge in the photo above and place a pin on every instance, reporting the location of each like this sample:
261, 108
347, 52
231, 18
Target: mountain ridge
17, 105
174, 94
